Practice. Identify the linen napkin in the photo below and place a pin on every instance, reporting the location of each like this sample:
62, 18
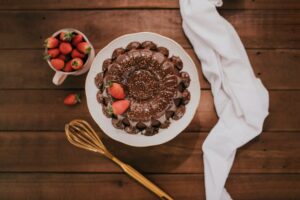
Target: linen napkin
240, 99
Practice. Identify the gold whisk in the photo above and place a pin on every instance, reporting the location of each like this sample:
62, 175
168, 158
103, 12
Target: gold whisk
82, 135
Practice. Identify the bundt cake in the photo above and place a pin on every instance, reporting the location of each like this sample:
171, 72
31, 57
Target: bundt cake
141, 88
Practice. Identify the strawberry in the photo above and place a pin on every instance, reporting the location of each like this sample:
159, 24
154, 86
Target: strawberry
76, 63
51, 53
68, 67
65, 48
57, 63
116, 90
77, 39
84, 47
66, 36
72, 99
61, 56
77, 54
51, 42
119, 107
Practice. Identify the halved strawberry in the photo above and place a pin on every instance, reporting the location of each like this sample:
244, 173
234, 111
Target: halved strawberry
66, 36
119, 107
57, 63
84, 47
76, 63
116, 90
51, 42
77, 39
77, 54
51, 53
72, 99
68, 67
65, 48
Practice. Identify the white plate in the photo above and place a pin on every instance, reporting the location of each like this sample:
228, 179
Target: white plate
164, 135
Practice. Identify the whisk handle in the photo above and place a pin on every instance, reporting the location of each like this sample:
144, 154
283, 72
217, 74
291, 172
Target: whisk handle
142, 180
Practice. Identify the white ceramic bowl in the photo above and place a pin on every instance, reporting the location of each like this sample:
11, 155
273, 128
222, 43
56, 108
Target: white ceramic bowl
164, 135
60, 76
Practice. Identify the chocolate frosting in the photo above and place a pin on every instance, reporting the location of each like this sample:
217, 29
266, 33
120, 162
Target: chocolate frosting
154, 84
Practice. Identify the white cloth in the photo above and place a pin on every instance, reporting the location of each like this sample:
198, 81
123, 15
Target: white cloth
240, 99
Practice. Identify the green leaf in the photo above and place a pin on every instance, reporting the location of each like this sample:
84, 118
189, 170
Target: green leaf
78, 98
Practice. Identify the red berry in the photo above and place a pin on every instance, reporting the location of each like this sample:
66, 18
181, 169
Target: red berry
84, 47
119, 107
116, 90
76, 63
61, 56
77, 54
51, 42
65, 48
51, 53
77, 39
57, 63
66, 36
72, 99
68, 67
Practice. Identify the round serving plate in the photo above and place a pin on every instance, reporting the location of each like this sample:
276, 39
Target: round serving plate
164, 135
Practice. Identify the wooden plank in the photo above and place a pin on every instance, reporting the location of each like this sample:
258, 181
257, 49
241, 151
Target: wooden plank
102, 4
261, 4
278, 69
44, 110
107, 186
18, 78
264, 187
257, 28
271, 152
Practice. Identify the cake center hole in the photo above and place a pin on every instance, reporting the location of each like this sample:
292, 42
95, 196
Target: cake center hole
143, 85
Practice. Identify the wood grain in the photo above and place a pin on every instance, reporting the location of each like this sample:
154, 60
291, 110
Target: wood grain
257, 28
36, 160
51, 152
17, 77
109, 186
278, 69
104, 4
44, 110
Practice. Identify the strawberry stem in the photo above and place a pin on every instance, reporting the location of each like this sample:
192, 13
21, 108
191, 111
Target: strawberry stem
88, 50
47, 56
78, 98
75, 63
68, 36
108, 84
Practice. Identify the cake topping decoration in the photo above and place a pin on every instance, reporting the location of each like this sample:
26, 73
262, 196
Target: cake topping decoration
143, 89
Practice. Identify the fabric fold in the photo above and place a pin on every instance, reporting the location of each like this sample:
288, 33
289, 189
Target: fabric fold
240, 98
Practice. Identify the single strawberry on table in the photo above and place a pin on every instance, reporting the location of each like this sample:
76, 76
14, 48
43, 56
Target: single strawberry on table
76, 54
84, 47
76, 63
119, 107
51, 42
57, 63
116, 90
72, 99
51, 53
66, 36
65, 48
77, 39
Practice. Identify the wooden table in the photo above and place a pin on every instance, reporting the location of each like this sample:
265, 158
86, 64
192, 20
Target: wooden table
36, 161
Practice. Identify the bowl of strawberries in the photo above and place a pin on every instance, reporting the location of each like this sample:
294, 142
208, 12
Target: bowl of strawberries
68, 52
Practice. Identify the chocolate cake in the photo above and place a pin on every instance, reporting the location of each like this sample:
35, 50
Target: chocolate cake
154, 84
